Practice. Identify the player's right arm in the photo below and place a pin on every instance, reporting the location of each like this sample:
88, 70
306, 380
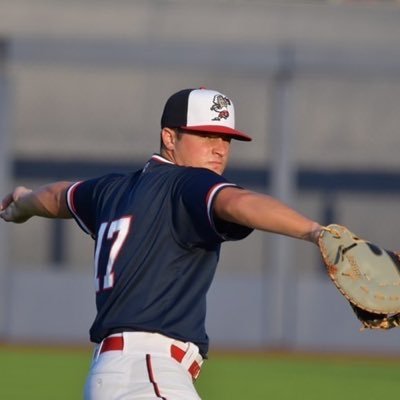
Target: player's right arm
47, 201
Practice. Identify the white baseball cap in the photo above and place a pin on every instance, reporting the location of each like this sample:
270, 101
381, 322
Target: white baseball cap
202, 110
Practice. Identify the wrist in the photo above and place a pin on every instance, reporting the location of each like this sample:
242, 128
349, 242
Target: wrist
315, 232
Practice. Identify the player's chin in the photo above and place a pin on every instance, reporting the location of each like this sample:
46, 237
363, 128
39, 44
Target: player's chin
218, 168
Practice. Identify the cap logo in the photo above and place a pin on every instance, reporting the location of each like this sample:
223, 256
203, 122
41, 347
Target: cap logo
220, 106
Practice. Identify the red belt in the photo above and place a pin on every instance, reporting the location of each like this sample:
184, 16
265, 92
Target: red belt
117, 343
112, 343
178, 354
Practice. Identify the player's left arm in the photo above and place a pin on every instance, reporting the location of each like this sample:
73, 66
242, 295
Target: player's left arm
263, 212
47, 201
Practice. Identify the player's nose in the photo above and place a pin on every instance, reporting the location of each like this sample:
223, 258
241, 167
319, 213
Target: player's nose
221, 145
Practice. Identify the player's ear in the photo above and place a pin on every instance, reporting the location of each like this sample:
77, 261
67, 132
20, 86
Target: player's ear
168, 137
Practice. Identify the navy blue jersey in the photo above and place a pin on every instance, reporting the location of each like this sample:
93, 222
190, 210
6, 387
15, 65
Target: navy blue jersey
157, 247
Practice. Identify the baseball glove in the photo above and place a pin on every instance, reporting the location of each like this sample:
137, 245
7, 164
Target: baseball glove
367, 275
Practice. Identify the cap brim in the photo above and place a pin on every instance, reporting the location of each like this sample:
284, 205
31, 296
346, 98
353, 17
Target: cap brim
220, 130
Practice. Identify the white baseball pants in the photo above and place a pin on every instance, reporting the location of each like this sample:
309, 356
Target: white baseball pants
143, 366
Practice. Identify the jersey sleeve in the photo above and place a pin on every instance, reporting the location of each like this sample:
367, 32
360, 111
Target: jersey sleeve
83, 200
198, 193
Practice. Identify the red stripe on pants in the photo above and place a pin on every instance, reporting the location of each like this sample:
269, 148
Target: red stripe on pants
151, 377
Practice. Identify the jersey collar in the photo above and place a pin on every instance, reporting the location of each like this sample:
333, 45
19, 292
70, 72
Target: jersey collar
156, 159
160, 159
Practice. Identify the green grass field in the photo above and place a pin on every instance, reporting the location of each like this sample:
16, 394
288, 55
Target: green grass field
59, 374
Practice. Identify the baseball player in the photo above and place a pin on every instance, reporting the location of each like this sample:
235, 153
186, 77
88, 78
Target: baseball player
157, 234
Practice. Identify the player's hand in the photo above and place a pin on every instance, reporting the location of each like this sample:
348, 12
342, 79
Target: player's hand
11, 207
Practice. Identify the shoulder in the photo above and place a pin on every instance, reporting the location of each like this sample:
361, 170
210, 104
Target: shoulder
101, 183
200, 175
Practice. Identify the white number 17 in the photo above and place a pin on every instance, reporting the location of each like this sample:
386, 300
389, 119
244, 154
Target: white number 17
117, 232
